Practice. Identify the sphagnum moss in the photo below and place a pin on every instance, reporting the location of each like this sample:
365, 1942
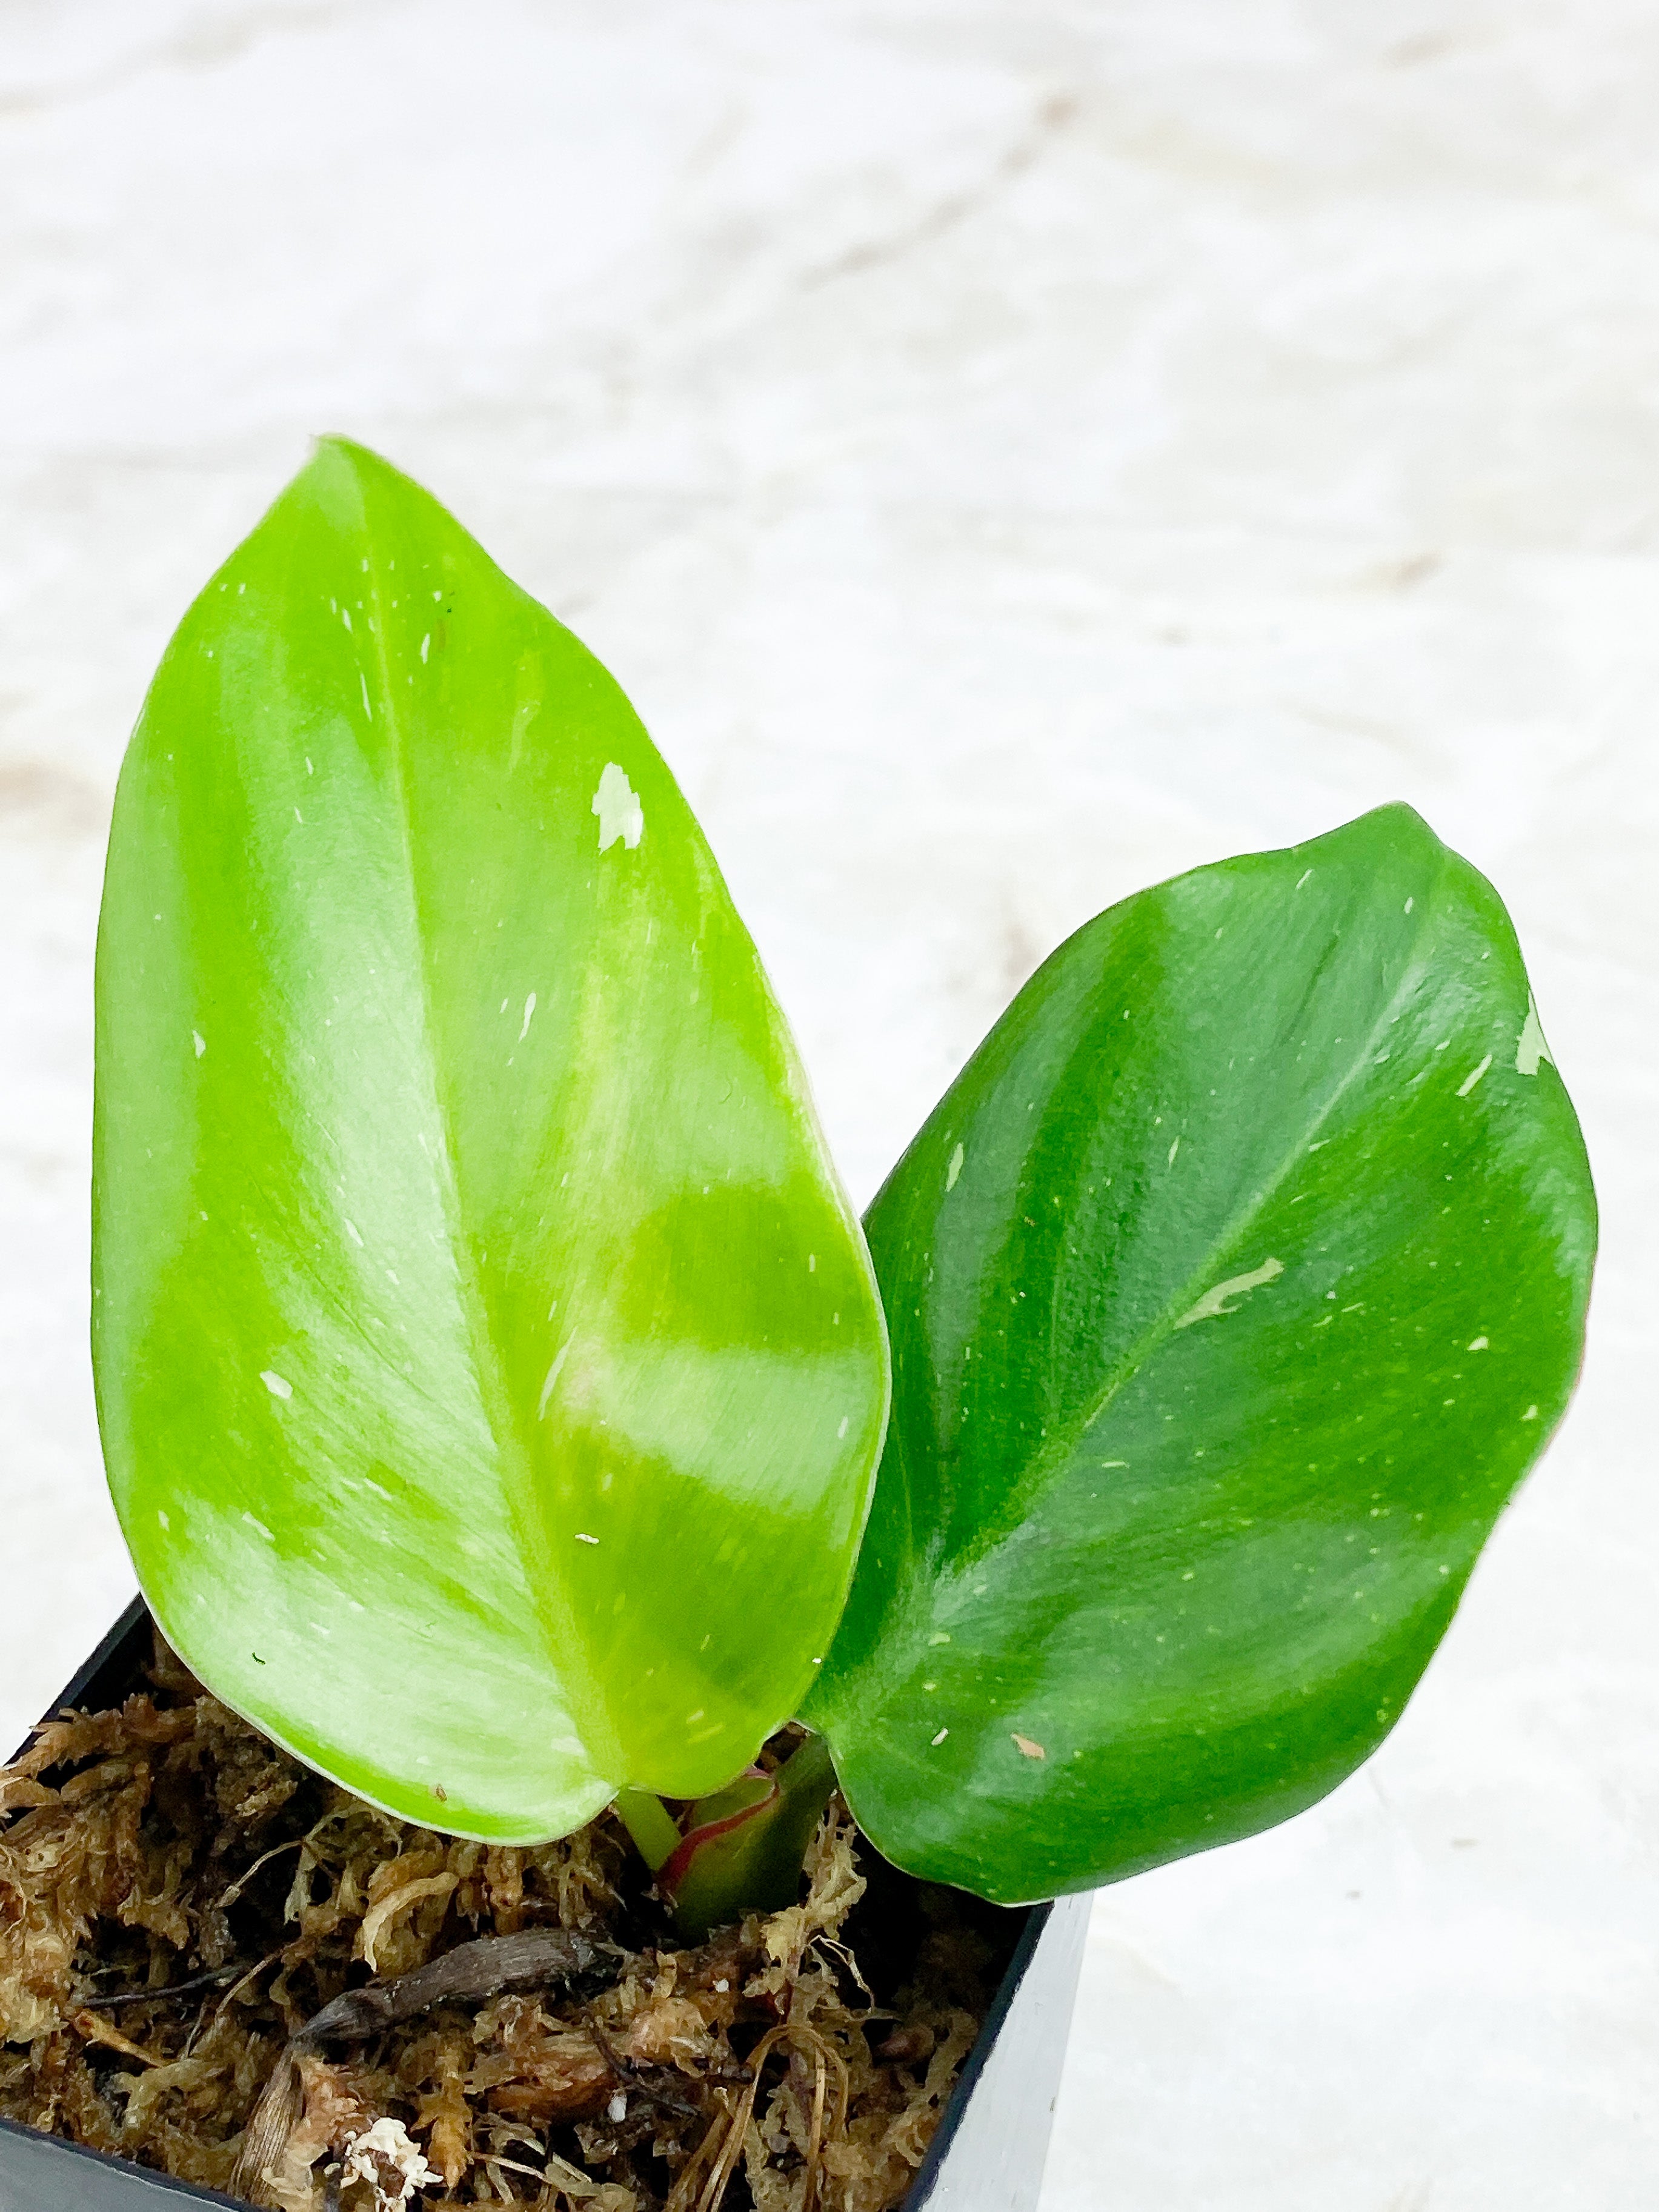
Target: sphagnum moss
178, 1898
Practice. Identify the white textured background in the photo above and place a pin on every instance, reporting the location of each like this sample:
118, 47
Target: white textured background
1011, 450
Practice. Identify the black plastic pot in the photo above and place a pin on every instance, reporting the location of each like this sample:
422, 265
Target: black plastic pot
987, 2156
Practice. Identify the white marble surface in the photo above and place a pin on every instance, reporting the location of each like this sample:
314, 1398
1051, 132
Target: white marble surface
1012, 450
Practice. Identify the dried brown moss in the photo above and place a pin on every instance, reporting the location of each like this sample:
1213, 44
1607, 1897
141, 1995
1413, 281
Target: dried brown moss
178, 1898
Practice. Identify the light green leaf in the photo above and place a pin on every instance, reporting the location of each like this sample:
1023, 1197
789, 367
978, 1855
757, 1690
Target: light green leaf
1233, 1286
489, 1366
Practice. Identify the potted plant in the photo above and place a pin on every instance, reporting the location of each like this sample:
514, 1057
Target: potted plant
517, 1434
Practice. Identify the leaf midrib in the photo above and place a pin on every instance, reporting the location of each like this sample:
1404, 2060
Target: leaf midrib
1058, 1453
494, 1393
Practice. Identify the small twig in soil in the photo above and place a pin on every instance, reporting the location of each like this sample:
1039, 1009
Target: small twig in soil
251, 1974
160, 1995
473, 1974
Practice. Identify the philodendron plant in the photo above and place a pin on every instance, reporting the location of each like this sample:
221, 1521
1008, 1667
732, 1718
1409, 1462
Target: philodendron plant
495, 1380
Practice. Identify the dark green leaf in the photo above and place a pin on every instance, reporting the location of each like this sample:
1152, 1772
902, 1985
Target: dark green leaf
1232, 1288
